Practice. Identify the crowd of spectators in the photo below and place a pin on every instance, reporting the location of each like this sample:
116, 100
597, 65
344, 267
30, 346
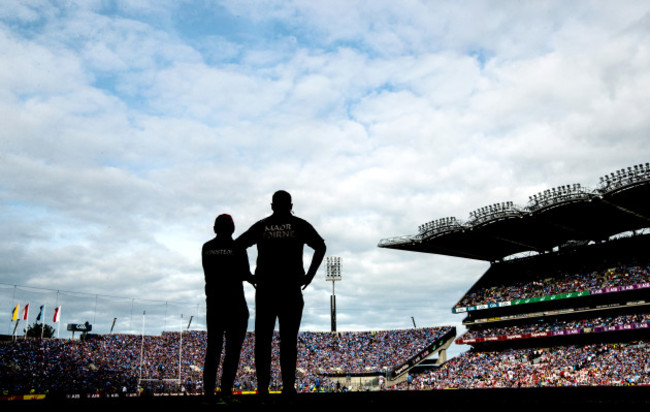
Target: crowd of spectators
549, 285
584, 365
111, 363
118, 363
553, 325
128, 363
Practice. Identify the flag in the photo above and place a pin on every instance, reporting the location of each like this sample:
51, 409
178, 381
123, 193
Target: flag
57, 314
14, 315
26, 312
39, 314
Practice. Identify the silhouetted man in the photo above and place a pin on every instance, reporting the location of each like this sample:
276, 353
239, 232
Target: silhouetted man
225, 269
280, 275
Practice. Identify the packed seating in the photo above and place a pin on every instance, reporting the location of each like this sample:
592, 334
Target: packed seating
574, 365
544, 325
118, 363
111, 363
568, 282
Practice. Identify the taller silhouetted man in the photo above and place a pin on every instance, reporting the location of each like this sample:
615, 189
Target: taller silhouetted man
280, 278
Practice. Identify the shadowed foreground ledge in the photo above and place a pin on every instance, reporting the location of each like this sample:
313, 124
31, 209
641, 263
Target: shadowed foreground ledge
587, 399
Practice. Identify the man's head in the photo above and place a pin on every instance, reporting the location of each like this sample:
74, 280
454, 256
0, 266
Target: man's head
224, 225
281, 202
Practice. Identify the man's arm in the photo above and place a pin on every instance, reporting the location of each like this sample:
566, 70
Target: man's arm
316, 260
246, 272
248, 238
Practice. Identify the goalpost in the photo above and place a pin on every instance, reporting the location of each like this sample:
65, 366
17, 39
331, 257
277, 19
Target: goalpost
177, 380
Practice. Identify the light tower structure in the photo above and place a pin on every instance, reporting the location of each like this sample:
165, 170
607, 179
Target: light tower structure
333, 275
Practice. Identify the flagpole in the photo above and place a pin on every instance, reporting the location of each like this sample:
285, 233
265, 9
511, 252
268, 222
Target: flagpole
13, 300
180, 348
57, 319
14, 336
43, 322
141, 348
56, 312
26, 319
14, 317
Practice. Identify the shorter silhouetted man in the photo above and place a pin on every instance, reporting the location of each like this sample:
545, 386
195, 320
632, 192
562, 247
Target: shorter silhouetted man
280, 277
225, 268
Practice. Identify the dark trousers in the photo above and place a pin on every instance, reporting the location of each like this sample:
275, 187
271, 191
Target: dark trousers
286, 306
230, 322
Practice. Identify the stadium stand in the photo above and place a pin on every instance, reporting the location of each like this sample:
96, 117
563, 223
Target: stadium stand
128, 364
566, 299
598, 364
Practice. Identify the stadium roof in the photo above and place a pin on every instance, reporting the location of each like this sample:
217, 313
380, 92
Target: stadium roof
551, 219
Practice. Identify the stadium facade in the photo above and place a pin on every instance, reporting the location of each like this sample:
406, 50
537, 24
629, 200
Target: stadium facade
569, 268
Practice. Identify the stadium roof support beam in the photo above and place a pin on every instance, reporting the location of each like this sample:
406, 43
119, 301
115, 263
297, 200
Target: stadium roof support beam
553, 218
628, 211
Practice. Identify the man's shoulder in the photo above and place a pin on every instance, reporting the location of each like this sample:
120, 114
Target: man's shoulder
209, 243
260, 223
303, 221
216, 242
294, 218
298, 222
274, 222
277, 219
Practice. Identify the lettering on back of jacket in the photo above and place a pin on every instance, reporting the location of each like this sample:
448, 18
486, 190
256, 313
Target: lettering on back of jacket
220, 252
279, 232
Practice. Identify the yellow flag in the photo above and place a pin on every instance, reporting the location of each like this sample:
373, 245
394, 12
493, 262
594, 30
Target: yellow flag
14, 316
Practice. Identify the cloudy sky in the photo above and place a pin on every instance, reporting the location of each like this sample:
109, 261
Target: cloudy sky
127, 126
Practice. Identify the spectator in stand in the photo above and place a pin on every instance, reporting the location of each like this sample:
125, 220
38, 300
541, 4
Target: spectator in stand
561, 283
107, 363
546, 325
598, 364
